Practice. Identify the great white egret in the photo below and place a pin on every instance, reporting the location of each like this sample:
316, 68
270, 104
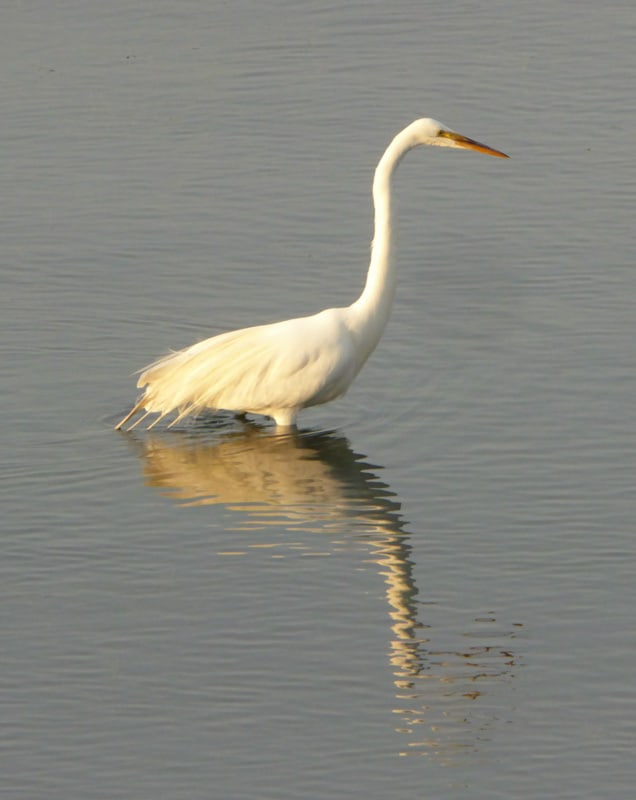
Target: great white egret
280, 368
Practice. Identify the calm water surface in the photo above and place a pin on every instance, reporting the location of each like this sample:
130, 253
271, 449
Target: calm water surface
428, 591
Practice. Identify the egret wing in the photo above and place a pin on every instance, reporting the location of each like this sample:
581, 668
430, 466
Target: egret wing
285, 365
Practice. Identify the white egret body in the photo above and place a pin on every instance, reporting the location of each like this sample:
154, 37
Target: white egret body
280, 368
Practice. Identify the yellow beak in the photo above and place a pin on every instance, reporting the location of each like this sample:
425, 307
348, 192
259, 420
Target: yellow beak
471, 144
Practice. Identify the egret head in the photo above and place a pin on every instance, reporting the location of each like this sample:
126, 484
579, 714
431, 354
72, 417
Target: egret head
431, 132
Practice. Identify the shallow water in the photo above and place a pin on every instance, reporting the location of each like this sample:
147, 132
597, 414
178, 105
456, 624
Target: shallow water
428, 590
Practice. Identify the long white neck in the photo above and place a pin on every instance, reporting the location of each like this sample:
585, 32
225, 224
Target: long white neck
370, 312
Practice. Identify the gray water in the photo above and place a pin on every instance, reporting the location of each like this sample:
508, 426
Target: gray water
429, 590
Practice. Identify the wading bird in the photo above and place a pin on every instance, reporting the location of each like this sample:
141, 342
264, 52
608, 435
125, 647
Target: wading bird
280, 368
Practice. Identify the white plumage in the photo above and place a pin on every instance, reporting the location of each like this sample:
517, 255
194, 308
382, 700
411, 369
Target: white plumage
280, 368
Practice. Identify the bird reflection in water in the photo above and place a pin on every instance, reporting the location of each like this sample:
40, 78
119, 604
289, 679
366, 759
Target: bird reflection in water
314, 482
